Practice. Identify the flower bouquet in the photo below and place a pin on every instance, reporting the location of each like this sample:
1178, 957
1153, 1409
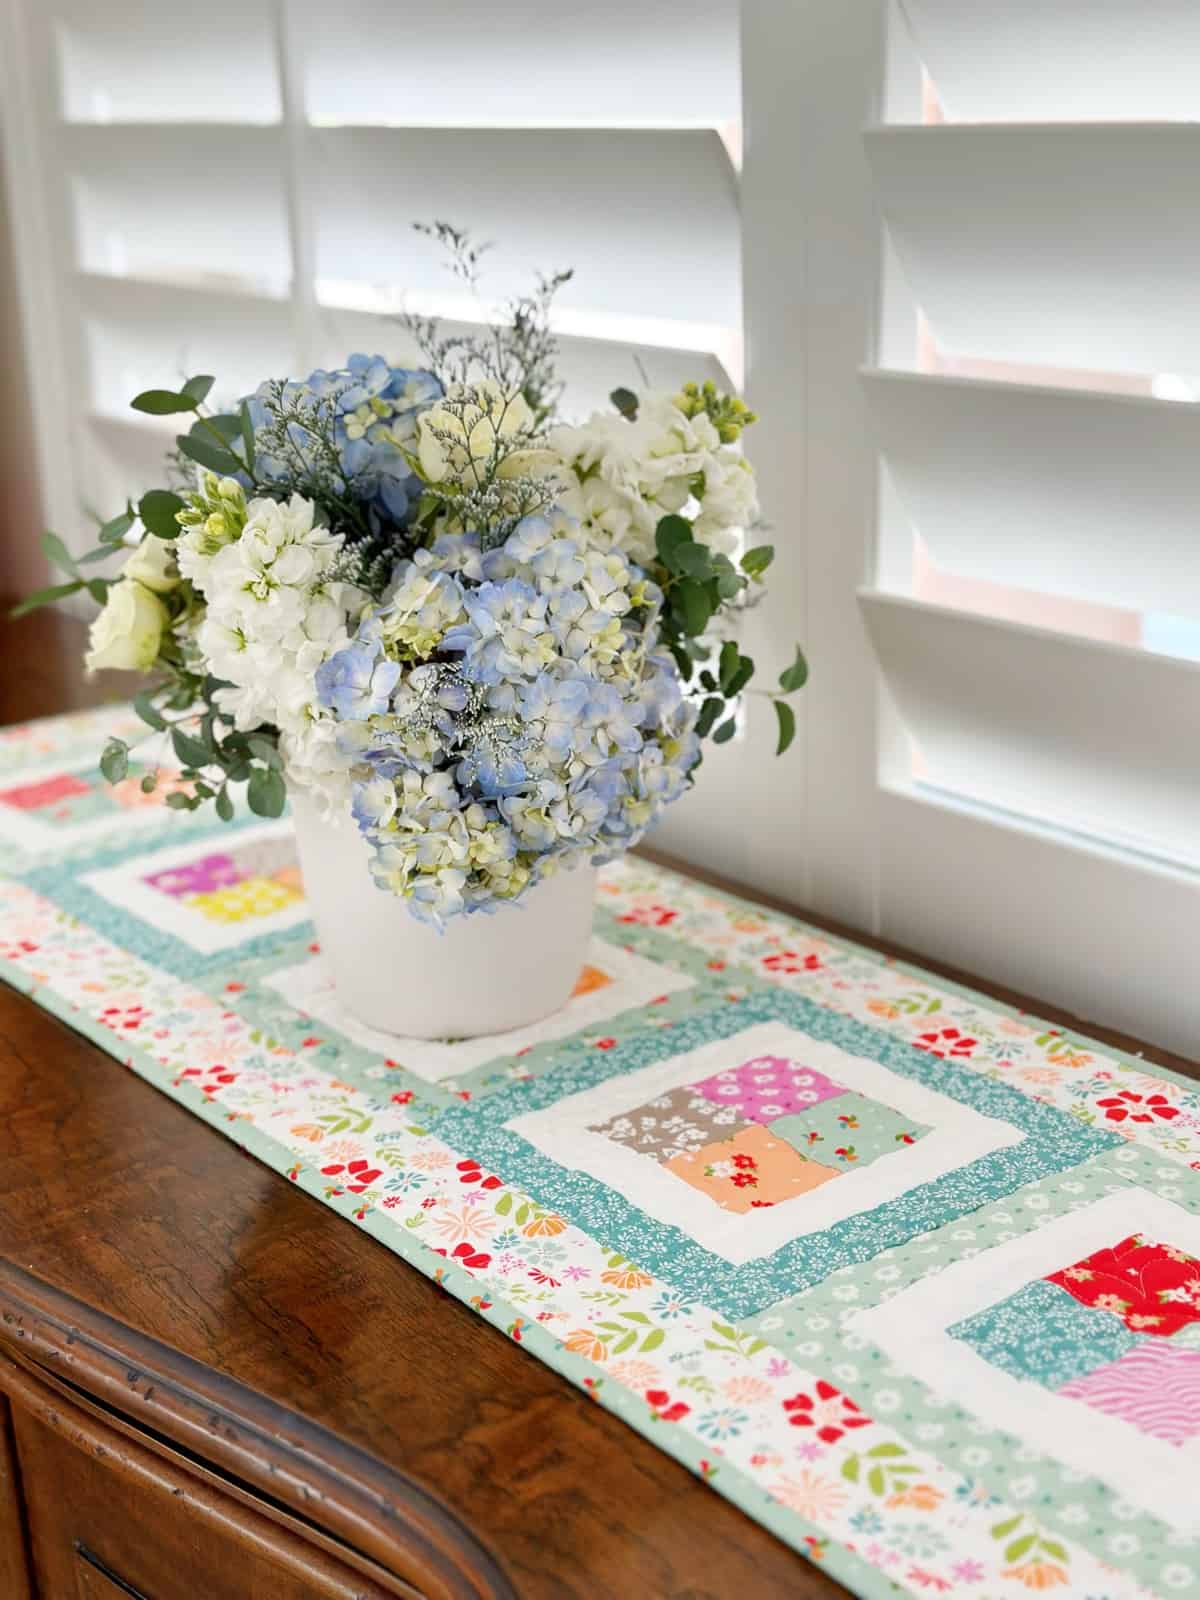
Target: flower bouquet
418, 599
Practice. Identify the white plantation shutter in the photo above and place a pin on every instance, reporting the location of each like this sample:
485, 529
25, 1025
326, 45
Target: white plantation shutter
231, 190
990, 211
1048, 244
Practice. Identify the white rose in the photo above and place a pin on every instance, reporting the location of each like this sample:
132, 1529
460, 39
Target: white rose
153, 564
480, 415
129, 630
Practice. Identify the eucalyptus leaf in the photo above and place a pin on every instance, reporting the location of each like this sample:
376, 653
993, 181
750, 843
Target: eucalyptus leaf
247, 433
725, 732
191, 751
228, 424
756, 561
626, 403
161, 402
224, 804
114, 760
692, 559
745, 671
157, 509
144, 705
795, 676
265, 749
786, 719
691, 605
727, 664
56, 552
208, 454
44, 597
670, 536
709, 712
115, 529
266, 793
197, 388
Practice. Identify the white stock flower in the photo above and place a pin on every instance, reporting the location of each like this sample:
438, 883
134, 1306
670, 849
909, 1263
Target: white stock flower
274, 614
129, 630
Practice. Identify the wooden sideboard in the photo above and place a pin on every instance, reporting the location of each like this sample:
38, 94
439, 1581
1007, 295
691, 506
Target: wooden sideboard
212, 1388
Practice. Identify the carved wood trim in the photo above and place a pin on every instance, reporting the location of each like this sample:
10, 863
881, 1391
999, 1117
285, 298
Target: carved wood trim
236, 1430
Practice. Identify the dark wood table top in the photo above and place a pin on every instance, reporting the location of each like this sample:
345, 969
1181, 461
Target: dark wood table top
180, 1236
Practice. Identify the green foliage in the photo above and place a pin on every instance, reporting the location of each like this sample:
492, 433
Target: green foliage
626, 402
266, 794
157, 509
786, 720
756, 561
114, 760
698, 584
162, 402
795, 676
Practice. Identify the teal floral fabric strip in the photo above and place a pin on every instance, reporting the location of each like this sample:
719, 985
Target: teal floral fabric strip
1043, 1335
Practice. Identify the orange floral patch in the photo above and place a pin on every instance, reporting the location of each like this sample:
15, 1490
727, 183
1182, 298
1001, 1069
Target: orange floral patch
590, 979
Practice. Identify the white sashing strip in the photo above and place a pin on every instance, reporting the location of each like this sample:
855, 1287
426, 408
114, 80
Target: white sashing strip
632, 981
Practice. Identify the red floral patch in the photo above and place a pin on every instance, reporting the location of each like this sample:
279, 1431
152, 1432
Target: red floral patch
828, 1410
356, 1176
471, 1172
791, 961
664, 1408
468, 1256
1137, 1107
947, 1042
123, 1019
652, 916
210, 1078
1153, 1288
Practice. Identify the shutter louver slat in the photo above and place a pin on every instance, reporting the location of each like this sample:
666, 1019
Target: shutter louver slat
1084, 495
1056, 245
162, 61
523, 64
180, 203
626, 208
140, 335
1084, 734
1060, 60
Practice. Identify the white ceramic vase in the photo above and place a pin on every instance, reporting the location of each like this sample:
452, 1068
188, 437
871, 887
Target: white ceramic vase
483, 974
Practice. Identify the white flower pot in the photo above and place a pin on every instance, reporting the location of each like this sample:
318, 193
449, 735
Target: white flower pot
483, 974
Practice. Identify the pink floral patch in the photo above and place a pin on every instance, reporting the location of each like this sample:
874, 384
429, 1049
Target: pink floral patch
1154, 1386
45, 792
768, 1087
204, 876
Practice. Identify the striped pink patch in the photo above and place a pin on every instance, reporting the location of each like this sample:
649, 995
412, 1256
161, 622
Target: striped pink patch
1154, 1387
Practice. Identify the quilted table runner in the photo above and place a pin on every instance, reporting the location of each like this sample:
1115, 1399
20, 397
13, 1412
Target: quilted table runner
911, 1278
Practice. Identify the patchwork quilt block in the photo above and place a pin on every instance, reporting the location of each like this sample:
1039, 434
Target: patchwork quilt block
911, 1278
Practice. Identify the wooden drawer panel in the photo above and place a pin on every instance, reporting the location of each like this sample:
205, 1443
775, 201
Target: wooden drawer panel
14, 1572
108, 1517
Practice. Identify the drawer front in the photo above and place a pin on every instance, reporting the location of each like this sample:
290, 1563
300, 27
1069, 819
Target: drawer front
14, 1567
109, 1518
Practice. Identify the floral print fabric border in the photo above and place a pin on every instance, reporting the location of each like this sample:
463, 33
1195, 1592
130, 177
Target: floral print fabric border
837, 1235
